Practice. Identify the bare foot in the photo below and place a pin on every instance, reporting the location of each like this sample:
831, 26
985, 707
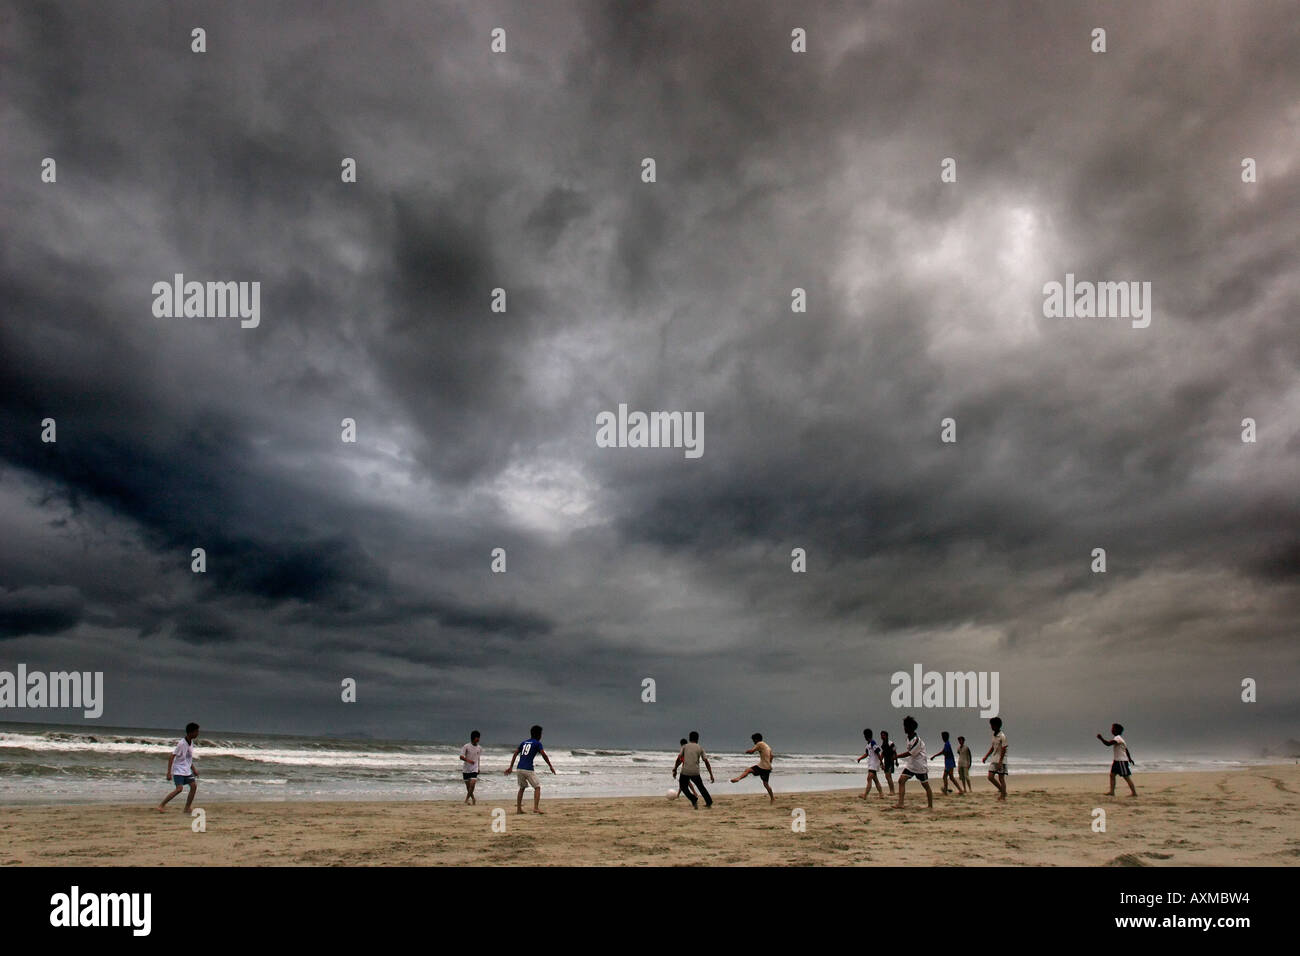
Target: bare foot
894, 806
161, 809
538, 811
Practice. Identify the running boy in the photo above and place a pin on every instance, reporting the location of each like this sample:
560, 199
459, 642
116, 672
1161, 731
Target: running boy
762, 769
1120, 759
998, 750
526, 752
471, 754
180, 768
949, 764
915, 764
872, 755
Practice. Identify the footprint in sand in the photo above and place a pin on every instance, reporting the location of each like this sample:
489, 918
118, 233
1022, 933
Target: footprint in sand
1277, 783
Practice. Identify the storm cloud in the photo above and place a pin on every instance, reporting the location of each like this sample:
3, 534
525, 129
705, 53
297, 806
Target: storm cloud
775, 170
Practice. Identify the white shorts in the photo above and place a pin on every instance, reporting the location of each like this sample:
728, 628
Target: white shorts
528, 779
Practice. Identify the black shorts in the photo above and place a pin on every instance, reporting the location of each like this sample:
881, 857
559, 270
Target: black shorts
760, 772
923, 777
469, 776
1120, 768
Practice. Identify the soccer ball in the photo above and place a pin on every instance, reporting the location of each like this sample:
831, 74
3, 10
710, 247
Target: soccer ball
672, 794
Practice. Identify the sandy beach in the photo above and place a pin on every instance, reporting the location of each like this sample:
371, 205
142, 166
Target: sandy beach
1245, 817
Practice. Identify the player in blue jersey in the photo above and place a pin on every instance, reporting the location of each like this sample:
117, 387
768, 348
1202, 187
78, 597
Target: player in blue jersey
526, 752
949, 765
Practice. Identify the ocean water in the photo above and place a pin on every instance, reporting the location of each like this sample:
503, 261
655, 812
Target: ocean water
43, 764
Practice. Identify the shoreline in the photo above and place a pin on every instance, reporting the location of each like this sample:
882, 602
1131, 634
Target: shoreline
1239, 817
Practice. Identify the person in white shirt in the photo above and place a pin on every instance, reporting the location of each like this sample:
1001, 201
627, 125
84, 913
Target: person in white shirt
1120, 759
180, 768
872, 756
963, 764
998, 751
915, 765
471, 755
763, 769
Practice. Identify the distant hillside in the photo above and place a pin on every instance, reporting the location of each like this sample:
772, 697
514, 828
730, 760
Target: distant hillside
1290, 749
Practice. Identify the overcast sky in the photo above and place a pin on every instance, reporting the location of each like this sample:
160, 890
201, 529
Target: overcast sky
476, 429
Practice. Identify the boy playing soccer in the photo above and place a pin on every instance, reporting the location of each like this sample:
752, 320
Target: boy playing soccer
762, 769
526, 751
1121, 758
949, 764
963, 763
888, 759
914, 765
998, 749
180, 768
691, 781
872, 755
471, 754
688, 789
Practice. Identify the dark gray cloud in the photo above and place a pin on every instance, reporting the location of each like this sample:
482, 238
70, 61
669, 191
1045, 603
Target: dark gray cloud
39, 611
476, 428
